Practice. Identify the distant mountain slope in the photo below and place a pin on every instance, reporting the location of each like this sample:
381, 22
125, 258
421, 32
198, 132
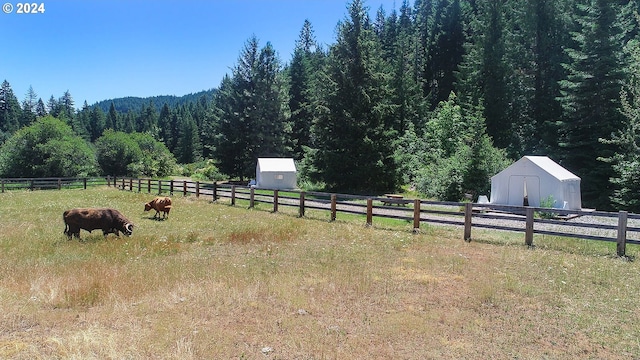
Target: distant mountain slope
123, 105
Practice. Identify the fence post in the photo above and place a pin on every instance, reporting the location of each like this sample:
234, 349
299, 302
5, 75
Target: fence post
197, 189
139, 185
171, 187
251, 196
215, 191
60, 184
369, 212
85, 183
184, 187
468, 216
124, 186
528, 231
275, 200
622, 233
416, 216
3, 186
159, 187
233, 194
301, 209
334, 201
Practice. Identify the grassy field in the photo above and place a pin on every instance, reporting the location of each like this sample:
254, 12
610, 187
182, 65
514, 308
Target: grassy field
221, 282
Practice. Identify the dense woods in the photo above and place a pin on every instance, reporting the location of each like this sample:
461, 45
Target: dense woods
435, 95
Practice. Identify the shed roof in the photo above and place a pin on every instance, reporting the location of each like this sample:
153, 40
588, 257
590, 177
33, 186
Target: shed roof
276, 164
552, 167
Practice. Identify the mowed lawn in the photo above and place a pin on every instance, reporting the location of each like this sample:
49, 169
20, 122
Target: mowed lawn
216, 281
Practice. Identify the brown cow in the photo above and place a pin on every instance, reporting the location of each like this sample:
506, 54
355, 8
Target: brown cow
160, 203
108, 220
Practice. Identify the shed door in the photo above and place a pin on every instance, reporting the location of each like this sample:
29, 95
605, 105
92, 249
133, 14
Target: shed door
521, 186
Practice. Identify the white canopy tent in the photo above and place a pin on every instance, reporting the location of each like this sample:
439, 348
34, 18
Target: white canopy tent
536, 178
276, 173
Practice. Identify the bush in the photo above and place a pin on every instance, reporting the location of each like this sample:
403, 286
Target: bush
47, 148
134, 154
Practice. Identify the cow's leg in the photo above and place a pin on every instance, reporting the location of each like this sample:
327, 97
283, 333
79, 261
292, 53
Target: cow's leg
74, 231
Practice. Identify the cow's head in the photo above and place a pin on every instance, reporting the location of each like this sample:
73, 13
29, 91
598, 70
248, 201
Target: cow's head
128, 229
147, 206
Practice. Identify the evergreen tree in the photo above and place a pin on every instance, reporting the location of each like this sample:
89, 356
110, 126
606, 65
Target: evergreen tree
80, 122
29, 107
307, 57
354, 149
411, 107
164, 125
112, 118
227, 133
626, 161
11, 114
148, 120
249, 115
189, 148
483, 72
271, 129
52, 106
41, 110
65, 105
97, 123
446, 49
591, 99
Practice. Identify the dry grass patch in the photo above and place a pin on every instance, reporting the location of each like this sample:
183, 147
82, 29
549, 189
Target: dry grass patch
216, 281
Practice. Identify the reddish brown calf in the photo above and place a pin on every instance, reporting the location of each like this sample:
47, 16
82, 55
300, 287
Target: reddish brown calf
159, 204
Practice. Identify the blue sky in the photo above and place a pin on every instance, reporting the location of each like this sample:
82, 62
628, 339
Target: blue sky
105, 49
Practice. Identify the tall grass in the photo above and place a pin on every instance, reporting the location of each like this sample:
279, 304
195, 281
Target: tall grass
221, 282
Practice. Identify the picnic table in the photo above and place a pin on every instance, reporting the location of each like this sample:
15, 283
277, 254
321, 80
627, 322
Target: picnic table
393, 199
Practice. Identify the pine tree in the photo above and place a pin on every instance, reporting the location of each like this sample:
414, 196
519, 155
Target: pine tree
189, 148
10, 115
483, 75
227, 133
591, 99
112, 118
29, 108
354, 150
66, 107
249, 119
446, 50
97, 123
148, 120
626, 161
41, 110
307, 58
164, 125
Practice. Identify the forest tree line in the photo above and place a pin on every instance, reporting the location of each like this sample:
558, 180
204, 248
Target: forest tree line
436, 95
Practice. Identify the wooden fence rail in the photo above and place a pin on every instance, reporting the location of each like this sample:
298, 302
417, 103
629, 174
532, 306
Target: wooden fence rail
622, 228
530, 220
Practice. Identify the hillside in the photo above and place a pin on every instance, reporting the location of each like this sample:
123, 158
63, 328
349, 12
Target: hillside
125, 104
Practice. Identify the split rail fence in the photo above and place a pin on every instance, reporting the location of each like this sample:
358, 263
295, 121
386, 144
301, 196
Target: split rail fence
620, 227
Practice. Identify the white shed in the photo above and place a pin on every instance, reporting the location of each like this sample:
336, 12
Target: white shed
536, 178
276, 173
